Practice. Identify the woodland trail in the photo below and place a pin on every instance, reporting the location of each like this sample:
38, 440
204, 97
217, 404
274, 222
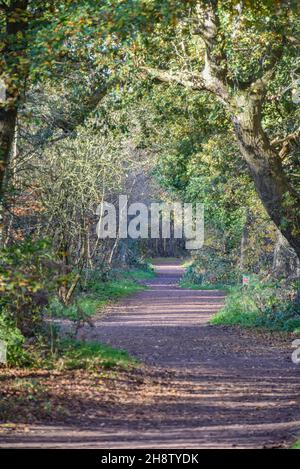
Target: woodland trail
202, 386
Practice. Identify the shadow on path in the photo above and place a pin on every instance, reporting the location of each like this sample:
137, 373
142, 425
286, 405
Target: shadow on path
203, 386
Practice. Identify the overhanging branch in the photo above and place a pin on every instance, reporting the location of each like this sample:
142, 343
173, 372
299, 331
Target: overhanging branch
193, 82
286, 142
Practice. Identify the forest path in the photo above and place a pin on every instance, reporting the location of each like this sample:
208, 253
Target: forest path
202, 386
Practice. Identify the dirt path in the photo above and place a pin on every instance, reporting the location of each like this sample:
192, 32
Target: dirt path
202, 387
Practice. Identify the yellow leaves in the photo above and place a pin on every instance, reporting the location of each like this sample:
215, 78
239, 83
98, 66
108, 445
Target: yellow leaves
89, 22
23, 283
295, 231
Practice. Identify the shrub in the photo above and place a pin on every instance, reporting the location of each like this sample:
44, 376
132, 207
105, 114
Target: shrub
209, 268
264, 303
26, 279
97, 293
75, 354
9, 333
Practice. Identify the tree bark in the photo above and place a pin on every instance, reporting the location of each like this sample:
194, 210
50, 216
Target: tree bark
7, 129
14, 72
279, 198
245, 241
244, 102
285, 261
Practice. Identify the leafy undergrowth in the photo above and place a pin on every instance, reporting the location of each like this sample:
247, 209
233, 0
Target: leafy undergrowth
45, 348
192, 286
69, 353
139, 274
99, 294
259, 305
75, 354
210, 270
197, 278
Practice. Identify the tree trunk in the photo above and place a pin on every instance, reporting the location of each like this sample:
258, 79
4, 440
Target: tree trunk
7, 130
13, 72
7, 213
244, 102
245, 241
279, 198
285, 261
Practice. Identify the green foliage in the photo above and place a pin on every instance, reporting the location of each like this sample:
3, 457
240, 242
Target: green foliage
16, 354
140, 269
140, 274
83, 57
66, 354
210, 268
296, 445
72, 354
26, 280
262, 304
213, 286
199, 161
113, 289
98, 293
88, 305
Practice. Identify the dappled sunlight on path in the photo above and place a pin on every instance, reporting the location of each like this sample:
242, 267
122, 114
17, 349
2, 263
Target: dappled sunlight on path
202, 386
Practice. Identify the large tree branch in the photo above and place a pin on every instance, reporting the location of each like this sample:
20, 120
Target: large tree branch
214, 74
204, 82
213, 38
213, 77
267, 71
286, 142
293, 136
67, 124
193, 82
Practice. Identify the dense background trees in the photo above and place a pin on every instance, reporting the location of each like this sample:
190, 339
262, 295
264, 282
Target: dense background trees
214, 51
162, 100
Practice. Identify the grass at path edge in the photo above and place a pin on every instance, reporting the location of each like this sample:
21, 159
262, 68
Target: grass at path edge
296, 445
99, 294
